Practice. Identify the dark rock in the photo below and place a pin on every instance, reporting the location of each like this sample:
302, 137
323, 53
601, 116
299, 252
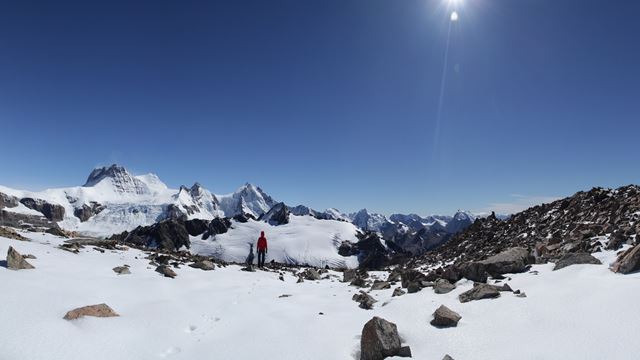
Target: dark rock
8, 201
474, 271
8, 233
122, 270
414, 287
359, 282
166, 271
100, 310
628, 261
412, 276
576, 258
205, 265
398, 292
478, 292
404, 351
348, 275
277, 215
347, 248
196, 227
451, 273
52, 212
311, 274
513, 260
372, 255
379, 340
56, 231
15, 261
447, 357
442, 286
366, 301
445, 317
85, 212
380, 285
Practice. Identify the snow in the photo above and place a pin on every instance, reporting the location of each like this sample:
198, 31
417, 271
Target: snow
304, 240
580, 312
21, 209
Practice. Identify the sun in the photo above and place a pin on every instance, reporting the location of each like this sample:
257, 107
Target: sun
454, 16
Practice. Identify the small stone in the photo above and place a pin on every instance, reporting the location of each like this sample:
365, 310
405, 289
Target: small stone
166, 271
122, 270
99, 310
445, 317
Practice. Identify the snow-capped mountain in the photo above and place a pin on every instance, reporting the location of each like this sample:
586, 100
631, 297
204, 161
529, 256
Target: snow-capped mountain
460, 221
368, 221
248, 199
113, 200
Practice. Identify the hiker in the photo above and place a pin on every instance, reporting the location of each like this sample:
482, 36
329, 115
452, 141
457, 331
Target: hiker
250, 258
262, 249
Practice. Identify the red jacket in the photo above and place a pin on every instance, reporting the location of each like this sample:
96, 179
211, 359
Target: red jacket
262, 242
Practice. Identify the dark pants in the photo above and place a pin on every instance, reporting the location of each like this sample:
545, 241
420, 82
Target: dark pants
261, 256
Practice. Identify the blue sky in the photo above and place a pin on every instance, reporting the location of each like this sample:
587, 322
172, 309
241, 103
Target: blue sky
326, 103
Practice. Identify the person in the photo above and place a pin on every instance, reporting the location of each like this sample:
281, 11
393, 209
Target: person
262, 249
250, 258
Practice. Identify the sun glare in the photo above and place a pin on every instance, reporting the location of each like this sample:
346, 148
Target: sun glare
454, 16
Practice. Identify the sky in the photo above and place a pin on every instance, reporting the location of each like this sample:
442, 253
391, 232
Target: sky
329, 103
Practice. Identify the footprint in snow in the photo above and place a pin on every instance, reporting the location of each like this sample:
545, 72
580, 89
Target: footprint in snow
190, 329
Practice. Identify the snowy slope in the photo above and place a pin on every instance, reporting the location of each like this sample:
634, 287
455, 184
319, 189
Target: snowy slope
304, 240
581, 312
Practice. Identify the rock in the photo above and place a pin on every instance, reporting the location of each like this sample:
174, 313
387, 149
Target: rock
85, 212
277, 215
379, 340
29, 256
451, 273
347, 248
380, 285
442, 286
447, 357
166, 271
15, 261
398, 292
56, 231
359, 282
196, 227
445, 317
513, 260
100, 310
205, 265
122, 270
576, 258
628, 261
8, 233
372, 253
52, 212
478, 292
410, 276
8, 201
414, 287
404, 351
348, 275
474, 271
366, 301
311, 274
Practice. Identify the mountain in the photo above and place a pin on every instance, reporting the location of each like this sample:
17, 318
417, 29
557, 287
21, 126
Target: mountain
367, 221
113, 200
460, 221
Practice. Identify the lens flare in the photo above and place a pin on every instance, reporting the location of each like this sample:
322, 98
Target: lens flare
454, 16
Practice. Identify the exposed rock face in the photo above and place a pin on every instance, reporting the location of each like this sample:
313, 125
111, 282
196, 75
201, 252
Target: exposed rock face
85, 212
379, 340
479, 292
278, 215
196, 227
445, 317
372, 254
99, 310
122, 181
576, 258
23, 221
347, 248
628, 262
513, 260
52, 212
348, 275
15, 261
575, 224
167, 235
8, 201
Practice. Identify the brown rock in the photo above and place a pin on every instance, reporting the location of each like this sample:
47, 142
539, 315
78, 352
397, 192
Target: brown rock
15, 261
99, 310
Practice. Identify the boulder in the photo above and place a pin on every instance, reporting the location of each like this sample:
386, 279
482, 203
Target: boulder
8, 233
398, 292
478, 292
348, 275
15, 261
166, 271
576, 258
56, 231
411, 276
359, 282
442, 286
445, 317
447, 357
379, 340
628, 261
52, 212
205, 265
474, 271
311, 274
380, 285
513, 260
122, 270
85, 212
99, 310
366, 301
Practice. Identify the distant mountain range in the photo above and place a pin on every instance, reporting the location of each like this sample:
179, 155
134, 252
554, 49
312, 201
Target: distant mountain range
112, 200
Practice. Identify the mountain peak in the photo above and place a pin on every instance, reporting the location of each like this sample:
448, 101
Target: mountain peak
121, 180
